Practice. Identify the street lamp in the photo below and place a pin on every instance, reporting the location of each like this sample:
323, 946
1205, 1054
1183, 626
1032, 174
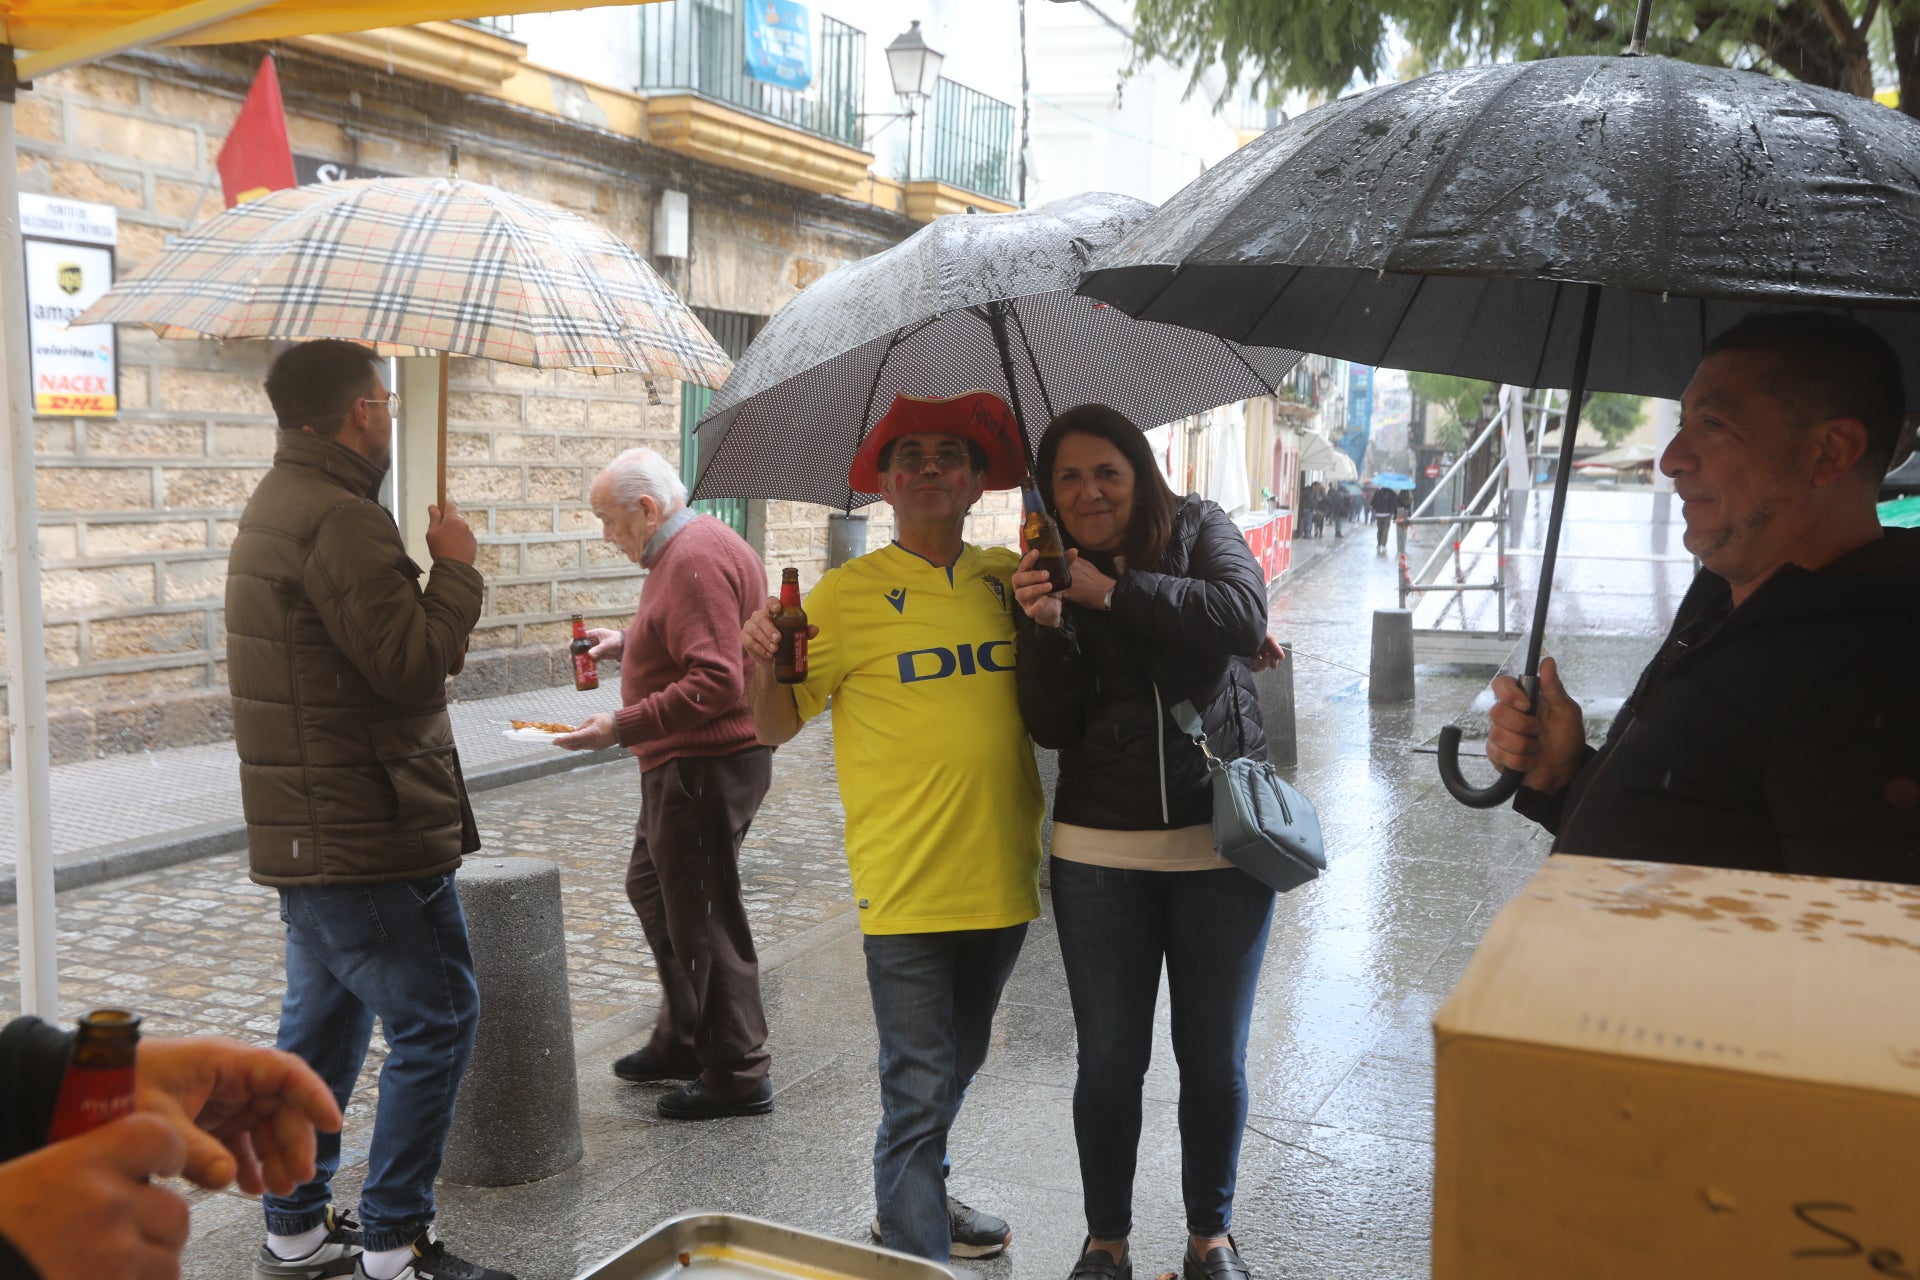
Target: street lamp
915, 67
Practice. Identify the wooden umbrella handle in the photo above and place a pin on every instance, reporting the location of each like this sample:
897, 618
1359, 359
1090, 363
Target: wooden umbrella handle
445, 360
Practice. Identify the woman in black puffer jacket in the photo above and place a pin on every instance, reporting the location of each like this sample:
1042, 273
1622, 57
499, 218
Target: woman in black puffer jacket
1165, 599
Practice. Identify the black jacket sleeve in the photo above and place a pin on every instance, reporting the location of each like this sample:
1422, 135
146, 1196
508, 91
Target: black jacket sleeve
1218, 608
1054, 681
33, 1058
1548, 810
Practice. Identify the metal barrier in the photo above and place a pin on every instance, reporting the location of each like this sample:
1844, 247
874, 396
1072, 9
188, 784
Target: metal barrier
1488, 505
968, 141
699, 46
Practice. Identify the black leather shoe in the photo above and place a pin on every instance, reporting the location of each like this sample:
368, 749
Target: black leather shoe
1221, 1263
697, 1102
642, 1067
1098, 1264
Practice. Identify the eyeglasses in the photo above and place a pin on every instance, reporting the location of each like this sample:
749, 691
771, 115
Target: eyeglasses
911, 460
391, 400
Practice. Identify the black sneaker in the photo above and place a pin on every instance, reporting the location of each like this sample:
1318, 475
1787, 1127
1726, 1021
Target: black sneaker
431, 1261
1098, 1264
641, 1067
976, 1234
1221, 1263
333, 1257
697, 1102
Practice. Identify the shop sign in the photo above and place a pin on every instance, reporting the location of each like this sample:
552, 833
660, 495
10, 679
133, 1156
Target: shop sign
69, 262
779, 43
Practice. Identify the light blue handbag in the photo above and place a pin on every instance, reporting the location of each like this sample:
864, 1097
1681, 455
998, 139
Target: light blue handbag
1261, 822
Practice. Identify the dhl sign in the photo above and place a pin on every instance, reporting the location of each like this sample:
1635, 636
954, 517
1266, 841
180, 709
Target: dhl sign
76, 405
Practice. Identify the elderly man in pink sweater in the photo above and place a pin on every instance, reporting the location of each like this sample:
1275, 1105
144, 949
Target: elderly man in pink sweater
683, 713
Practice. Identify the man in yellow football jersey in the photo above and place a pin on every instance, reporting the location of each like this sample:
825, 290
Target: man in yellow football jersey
914, 644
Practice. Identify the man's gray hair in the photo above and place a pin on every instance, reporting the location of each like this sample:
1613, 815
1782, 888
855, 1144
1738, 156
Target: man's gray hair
642, 473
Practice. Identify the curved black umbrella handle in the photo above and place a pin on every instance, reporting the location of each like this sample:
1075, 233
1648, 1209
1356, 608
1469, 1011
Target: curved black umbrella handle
1491, 796
1495, 793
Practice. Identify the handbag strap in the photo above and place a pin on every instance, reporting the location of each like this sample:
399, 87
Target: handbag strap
1187, 720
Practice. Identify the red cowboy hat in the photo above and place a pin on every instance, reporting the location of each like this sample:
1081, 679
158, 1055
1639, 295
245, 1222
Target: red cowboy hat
979, 416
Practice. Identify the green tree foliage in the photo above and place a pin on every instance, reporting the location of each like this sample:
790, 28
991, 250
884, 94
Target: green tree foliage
1454, 402
1611, 416
1326, 48
1458, 405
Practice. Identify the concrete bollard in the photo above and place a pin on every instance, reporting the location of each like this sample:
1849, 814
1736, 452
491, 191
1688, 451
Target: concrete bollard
1392, 667
518, 1115
1275, 688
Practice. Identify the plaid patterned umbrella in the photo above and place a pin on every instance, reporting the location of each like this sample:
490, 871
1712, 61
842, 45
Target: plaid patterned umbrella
418, 266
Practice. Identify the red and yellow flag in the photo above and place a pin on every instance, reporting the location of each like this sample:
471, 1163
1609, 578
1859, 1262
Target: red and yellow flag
256, 157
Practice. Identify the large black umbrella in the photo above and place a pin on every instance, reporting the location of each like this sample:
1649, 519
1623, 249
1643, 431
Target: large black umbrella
969, 302
1578, 222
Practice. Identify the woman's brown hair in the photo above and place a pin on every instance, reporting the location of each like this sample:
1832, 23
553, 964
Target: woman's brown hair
1150, 523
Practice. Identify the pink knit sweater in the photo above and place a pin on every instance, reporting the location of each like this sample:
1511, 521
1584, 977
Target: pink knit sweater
683, 674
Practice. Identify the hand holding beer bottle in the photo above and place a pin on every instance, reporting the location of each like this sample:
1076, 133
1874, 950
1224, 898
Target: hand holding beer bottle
1042, 534
763, 638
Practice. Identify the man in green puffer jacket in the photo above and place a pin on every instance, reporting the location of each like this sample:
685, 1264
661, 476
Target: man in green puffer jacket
338, 660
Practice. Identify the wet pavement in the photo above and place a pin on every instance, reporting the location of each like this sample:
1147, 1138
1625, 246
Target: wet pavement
1335, 1175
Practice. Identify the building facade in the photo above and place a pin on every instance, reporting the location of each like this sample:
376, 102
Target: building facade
138, 508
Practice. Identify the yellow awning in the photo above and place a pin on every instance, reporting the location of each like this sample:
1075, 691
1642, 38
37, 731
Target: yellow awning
64, 33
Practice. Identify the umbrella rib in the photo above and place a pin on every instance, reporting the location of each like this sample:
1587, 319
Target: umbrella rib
1540, 362
1033, 362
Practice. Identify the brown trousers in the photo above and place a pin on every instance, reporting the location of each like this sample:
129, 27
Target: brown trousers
684, 883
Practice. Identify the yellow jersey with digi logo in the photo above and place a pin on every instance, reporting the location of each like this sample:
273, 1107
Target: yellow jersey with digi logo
936, 771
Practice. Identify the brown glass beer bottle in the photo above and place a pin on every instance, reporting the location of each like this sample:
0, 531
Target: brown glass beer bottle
790, 656
98, 1086
1042, 533
586, 672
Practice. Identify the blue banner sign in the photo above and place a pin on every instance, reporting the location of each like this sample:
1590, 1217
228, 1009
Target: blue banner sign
779, 43
1359, 414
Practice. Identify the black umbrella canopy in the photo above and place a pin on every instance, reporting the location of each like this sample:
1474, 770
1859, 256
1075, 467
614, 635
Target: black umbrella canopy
969, 302
1442, 224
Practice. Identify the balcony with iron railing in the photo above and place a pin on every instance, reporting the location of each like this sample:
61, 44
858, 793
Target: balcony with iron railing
967, 142
704, 100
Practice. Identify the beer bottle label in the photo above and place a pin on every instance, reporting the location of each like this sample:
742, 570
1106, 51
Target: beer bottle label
586, 672
90, 1098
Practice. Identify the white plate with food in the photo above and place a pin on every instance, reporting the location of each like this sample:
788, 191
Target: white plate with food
535, 730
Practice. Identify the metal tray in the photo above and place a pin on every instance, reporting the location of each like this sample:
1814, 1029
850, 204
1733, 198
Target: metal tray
728, 1246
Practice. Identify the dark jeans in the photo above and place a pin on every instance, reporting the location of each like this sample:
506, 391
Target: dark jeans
1383, 525
397, 951
1116, 927
934, 996
684, 883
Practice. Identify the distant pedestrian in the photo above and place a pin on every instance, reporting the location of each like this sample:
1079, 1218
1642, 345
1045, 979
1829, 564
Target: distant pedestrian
683, 689
1775, 728
915, 650
1165, 599
1385, 504
356, 810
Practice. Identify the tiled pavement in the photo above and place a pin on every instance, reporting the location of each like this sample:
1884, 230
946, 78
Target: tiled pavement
1335, 1173
150, 799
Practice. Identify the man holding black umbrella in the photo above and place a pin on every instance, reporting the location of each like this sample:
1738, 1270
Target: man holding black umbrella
915, 647
1774, 730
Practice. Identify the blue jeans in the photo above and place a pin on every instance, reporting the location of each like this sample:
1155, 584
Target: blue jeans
1116, 927
398, 951
934, 996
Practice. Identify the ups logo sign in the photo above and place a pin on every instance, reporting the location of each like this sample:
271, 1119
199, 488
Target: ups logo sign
966, 660
69, 277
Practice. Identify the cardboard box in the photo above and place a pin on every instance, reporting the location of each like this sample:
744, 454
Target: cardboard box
1661, 1071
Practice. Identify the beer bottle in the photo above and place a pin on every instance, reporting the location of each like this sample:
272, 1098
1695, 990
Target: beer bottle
586, 672
790, 656
1043, 535
98, 1085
